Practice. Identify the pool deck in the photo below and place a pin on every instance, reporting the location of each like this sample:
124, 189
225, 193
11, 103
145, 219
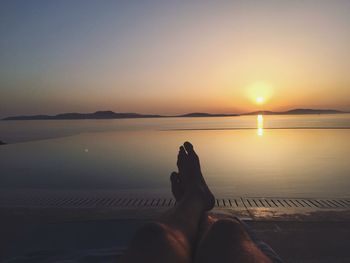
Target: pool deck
299, 229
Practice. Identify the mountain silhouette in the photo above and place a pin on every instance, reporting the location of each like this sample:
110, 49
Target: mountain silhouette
114, 115
79, 116
295, 112
201, 114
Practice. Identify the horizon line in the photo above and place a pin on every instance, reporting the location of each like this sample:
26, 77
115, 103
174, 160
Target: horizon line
270, 112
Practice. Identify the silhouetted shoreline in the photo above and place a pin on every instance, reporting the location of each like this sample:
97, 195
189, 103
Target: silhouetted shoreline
115, 115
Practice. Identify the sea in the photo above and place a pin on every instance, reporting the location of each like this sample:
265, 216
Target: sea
256, 156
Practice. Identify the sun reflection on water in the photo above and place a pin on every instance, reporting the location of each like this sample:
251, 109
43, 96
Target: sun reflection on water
260, 125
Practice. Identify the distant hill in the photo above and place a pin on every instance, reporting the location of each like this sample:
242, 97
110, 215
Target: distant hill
295, 112
200, 114
312, 111
2, 143
79, 116
115, 115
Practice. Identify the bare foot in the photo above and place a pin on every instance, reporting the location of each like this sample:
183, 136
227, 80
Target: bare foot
189, 182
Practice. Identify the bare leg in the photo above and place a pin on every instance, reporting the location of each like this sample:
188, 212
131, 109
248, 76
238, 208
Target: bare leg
225, 240
172, 237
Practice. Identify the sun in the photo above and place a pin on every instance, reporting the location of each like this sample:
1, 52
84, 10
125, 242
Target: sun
260, 100
259, 92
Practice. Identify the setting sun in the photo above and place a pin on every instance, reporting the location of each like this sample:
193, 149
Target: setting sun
259, 92
259, 100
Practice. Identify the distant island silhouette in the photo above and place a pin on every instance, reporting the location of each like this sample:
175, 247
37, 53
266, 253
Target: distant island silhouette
295, 112
116, 115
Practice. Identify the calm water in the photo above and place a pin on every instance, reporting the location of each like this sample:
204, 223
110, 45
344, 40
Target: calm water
254, 156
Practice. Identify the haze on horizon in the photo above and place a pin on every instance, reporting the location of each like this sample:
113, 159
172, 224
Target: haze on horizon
173, 57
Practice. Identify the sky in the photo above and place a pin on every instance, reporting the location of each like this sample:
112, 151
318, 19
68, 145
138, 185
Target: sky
173, 57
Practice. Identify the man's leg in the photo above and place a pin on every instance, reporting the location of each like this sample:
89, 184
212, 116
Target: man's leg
172, 237
156, 242
226, 240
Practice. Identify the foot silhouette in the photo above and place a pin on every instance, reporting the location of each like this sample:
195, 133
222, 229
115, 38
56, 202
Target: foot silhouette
189, 182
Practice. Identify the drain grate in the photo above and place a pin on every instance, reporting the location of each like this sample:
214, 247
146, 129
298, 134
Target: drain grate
112, 201
296, 203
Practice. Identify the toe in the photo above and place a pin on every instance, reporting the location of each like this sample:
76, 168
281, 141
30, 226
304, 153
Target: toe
189, 149
191, 153
182, 151
182, 154
181, 159
174, 178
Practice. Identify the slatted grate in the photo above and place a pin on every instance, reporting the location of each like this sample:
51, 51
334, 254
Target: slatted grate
296, 203
110, 201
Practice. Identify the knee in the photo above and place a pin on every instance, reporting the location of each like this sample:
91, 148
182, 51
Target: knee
227, 225
222, 243
152, 231
154, 242
229, 229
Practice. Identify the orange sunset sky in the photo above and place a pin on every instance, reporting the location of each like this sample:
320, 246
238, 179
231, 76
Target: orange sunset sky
173, 57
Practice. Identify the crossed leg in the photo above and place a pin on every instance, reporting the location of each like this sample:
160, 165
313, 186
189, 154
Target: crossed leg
172, 237
175, 238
